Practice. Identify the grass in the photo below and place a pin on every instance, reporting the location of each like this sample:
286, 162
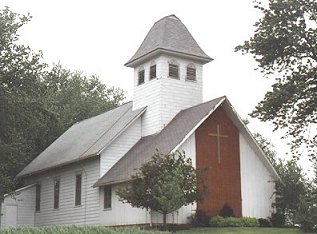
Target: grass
247, 230
75, 230
103, 230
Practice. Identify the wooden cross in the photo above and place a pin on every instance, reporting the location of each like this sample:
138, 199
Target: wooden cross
218, 135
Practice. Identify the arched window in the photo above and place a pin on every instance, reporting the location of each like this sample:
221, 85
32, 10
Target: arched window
173, 69
152, 70
191, 72
141, 76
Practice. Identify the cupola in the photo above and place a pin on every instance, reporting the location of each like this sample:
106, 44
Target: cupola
168, 69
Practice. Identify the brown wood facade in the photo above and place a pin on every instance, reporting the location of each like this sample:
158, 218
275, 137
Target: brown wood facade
217, 152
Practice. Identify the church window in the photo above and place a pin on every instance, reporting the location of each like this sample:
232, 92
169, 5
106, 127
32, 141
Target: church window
56, 193
173, 70
153, 71
191, 72
78, 190
107, 197
141, 76
38, 197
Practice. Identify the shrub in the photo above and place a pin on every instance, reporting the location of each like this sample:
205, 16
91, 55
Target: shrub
218, 221
226, 211
306, 215
200, 219
265, 223
278, 220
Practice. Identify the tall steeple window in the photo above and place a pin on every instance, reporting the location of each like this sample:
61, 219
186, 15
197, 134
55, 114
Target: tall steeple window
153, 71
191, 72
173, 69
141, 76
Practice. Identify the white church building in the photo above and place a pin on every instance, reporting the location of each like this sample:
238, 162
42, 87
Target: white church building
74, 180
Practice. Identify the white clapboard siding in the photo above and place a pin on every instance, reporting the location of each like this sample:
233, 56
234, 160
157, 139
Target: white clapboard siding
68, 213
181, 216
24, 200
257, 186
148, 94
121, 213
120, 146
164, 96
179, 94
184, 214
125, 214
189, 147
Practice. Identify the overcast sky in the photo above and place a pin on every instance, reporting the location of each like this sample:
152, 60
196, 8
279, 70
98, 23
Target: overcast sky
98, 37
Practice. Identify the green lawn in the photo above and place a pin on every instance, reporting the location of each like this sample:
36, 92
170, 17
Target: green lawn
241, 231
103, 230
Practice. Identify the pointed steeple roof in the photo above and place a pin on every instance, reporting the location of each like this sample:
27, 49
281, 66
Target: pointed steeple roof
168, 35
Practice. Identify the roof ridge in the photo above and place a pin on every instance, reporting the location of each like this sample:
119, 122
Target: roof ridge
112, 109
107, 130
163, 39
174, 133
125, 127
212, 100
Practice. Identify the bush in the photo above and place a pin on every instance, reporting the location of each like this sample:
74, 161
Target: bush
306, 215
278, 220
265, 223
218, 221
226, 211
200, 219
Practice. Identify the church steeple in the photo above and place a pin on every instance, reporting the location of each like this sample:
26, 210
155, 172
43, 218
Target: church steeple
168, 69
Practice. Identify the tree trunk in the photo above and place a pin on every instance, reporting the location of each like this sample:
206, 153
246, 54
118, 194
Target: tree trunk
164, 219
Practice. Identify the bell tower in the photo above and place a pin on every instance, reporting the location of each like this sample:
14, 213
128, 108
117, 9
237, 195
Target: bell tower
168, 72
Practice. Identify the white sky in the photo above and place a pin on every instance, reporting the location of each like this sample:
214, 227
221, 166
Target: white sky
98, 37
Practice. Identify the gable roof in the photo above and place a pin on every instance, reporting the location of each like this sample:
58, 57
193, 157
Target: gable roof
84, 139
172, 137
168, 35
165, 142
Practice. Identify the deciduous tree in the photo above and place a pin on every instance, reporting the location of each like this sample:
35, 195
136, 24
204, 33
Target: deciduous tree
291, 191
285, 46
20, 90
38, 104
73, 96
164, 184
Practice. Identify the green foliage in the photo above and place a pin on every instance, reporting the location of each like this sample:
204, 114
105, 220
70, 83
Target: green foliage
38, 104
284, 45
200, 219
74, 229
277, 219
164, 184
267, 147
20, 88
265, 222
296, 197
306, 216
219, 221
290, 190
72, 96
226, 211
